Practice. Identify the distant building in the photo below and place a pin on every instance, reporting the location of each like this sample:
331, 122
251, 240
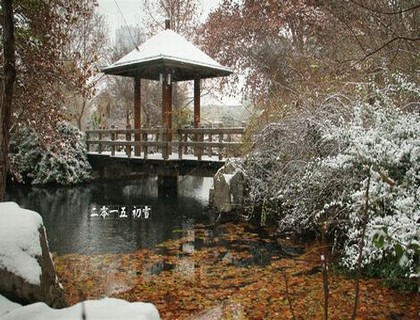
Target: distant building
129, 36
226, 112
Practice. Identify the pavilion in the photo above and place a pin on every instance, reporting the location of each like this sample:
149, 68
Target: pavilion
167, 57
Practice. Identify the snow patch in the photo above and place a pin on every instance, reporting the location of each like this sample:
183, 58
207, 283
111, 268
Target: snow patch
6, 305
19, 241
228, 177
108, 308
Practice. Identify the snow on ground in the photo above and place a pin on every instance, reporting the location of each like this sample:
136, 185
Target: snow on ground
105, 309
6, 306
19, 241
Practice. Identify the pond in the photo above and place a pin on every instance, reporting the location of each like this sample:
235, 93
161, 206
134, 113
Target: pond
115, 254
73, 227
185, 261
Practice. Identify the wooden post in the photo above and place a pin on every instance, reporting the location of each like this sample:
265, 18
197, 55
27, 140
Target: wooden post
112, 139
87, 140
197, 85
165, 149
99, 142
167, 109
137, 113
186, 140
145, 147
200, 148
128, 138
220, 141
179, 144
209, 150
157, 138
166, 103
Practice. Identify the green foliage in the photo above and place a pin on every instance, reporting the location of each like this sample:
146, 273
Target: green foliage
393, 274
63, 162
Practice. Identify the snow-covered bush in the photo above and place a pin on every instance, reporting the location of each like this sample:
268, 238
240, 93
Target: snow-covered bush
64, 161
325, 190
391, 148
281, 153
333, 188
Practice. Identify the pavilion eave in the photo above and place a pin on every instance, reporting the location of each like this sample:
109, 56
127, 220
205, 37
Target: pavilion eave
180, 70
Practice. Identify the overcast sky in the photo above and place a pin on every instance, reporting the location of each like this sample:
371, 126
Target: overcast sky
132, 12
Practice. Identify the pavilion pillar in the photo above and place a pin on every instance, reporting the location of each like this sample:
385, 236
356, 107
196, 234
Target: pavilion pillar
137, 113
167, 108
167, 103
197, 89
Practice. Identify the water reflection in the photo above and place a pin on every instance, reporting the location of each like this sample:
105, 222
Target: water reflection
66, 213
198, 250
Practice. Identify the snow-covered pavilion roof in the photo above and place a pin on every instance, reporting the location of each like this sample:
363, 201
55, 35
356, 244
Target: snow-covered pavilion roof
165, 52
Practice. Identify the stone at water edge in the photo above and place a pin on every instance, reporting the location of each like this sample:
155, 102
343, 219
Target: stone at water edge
228, 187
27, 272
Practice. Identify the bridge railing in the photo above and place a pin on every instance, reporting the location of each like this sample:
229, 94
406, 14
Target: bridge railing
197, 142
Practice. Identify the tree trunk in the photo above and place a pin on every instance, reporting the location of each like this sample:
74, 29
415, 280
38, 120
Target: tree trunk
7, 91
80, 115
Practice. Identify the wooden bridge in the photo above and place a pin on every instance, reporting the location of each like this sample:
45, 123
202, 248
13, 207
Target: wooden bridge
115, 153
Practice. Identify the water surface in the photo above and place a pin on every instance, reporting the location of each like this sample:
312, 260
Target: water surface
71, 228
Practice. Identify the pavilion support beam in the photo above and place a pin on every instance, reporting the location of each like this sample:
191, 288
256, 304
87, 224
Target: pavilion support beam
197, 94
137, 113
166, 104
167, 108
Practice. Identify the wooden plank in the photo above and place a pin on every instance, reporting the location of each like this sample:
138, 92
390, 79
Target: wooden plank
214, 131
161, 144
123, 131
210, 144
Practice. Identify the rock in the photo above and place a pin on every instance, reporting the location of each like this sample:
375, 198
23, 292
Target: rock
27, 272
228, 187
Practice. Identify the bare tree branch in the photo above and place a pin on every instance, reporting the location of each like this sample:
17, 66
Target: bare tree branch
415, 7
389, 42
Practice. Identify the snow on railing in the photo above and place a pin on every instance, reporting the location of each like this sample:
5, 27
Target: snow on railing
221, 142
